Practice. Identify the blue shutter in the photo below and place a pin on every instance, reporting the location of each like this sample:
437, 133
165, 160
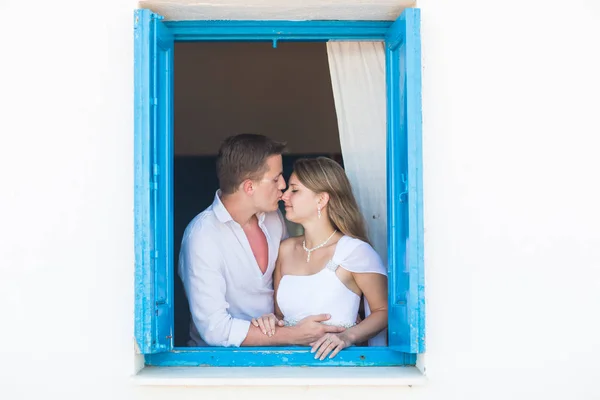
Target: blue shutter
153, 183
405, 190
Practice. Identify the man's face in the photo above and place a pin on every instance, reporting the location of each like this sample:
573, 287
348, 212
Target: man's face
269, 189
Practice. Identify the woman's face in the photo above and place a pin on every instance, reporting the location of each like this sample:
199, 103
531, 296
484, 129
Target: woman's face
300, 202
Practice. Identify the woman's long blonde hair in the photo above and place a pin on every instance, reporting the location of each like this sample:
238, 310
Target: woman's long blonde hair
323, 175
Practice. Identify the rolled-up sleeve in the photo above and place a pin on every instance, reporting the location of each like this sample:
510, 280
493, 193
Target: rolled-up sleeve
202, 276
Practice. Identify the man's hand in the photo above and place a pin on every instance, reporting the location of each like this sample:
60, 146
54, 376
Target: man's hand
310, 329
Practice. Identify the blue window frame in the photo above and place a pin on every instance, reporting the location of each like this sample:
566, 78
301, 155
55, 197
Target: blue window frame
154, 270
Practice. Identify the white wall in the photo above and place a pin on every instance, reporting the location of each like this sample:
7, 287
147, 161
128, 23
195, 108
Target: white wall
511, 126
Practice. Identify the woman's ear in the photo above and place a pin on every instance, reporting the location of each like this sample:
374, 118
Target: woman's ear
323, 199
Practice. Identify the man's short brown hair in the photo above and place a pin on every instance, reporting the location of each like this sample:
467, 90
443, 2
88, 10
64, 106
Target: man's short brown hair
242, 157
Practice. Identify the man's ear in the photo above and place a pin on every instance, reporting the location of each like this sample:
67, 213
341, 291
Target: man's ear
248, 186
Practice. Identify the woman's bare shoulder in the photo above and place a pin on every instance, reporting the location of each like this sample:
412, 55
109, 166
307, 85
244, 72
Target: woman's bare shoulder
286, 251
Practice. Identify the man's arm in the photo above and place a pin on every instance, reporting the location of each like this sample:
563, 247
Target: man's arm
205, 288
308, 331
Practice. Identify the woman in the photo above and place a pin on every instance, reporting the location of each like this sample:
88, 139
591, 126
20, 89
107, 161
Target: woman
332, 266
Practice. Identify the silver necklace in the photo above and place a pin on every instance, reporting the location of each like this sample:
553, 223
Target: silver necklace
316, 247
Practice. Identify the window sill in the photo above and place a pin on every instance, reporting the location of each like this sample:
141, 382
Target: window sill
279, 376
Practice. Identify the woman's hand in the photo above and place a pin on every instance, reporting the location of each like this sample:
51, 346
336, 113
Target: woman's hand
330, 343
267, 323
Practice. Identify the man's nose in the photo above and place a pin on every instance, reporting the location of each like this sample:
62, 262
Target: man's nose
282, 184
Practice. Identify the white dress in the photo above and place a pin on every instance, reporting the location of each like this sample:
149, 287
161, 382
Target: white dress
300, 296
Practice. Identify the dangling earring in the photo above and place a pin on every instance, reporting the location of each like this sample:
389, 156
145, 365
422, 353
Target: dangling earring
319, 212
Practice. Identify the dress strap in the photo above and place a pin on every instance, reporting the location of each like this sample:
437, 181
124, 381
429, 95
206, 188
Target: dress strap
332, 265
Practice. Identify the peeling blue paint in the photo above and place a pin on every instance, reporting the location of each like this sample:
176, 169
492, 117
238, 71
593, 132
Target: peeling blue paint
278, 30
405, 218
153, 192
272, 356
153, 206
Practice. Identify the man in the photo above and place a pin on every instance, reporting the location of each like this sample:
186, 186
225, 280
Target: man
228, 251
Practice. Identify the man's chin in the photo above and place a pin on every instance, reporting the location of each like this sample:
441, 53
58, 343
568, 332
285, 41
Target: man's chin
274, 207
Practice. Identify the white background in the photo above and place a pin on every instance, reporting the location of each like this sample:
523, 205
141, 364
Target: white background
512, 248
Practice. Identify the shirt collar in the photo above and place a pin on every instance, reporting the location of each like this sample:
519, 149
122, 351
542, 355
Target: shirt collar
220, 210
222, 213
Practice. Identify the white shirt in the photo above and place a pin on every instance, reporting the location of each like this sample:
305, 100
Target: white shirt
222, 280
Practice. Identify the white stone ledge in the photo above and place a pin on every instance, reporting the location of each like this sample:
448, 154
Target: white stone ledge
279, 376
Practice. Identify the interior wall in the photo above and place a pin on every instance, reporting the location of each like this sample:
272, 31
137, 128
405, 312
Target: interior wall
223, 89
227, 88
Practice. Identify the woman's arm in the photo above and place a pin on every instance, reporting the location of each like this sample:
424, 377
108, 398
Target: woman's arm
276, 280
374, 288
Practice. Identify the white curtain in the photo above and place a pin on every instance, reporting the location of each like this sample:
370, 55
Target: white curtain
358, 80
